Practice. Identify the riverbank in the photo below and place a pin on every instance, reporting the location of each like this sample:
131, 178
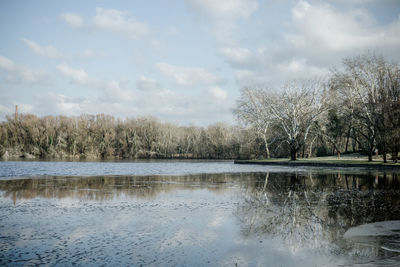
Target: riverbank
339, 163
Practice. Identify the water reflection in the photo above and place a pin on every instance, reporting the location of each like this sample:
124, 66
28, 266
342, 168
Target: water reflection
283, 218
313, 211
103, 188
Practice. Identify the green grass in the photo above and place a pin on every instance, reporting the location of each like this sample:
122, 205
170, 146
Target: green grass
324, 161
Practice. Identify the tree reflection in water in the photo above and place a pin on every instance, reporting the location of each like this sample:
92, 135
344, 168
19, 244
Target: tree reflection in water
303, 212
103, 188
312, 211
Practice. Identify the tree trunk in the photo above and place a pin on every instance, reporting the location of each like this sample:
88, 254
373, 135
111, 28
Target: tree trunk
370, 155
347, 140
384, 153
293, 153
267, 150
293, 150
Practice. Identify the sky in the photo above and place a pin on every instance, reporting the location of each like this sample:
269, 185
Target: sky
180, 61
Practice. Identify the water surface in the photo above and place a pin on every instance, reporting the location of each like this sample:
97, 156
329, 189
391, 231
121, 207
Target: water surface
13, 169
277, 218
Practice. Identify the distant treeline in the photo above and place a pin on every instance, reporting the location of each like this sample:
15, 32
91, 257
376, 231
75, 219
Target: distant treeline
105, 137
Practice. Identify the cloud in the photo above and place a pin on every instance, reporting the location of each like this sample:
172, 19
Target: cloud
224, 14
237, 56
149, 97
146, 84
245, 77
7, 64
61, 104
52, 52
72, 19
78, 76
89, 53
45, 51
116, 91
226, 9
18, 73
113, 90
118, 21
300, 68
337, 30
274, 74
164, 104
316, 38
217, 93
188, 76
158, 46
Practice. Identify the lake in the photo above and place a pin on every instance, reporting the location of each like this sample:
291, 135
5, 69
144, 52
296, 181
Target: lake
196, 213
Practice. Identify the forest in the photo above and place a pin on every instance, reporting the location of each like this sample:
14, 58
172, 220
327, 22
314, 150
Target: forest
355, 109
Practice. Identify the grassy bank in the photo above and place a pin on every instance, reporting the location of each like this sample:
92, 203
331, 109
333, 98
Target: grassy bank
324, 162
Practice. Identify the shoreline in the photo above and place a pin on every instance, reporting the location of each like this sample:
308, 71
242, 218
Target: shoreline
310, 163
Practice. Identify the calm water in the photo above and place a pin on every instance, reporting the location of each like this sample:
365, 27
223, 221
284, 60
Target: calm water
14, 169
265, 217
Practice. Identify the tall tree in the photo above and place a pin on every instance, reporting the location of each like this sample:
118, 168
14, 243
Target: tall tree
253, 109
358, 87
297, 109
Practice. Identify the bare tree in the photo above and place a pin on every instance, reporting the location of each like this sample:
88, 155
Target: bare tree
296, 111
253, 110
358, 87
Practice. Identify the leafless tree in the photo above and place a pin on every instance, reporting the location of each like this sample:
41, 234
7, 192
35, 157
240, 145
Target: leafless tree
297, 109
360, 86
253, 109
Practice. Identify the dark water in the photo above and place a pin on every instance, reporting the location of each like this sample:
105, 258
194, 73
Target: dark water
279, 218
13, 169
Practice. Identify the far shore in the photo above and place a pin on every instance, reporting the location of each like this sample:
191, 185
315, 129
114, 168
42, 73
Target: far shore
324, 162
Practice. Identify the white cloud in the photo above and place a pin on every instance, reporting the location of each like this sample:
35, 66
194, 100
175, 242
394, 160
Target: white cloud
157, 45
338, 31
89, 53
7, 64
225, 14
113, 90
19, 73
188, 76
45, 51
118, 21
274, 74
61, 104
300, 68
147, 84
318, 37
78, 76
245, 77
217, 93
52, 52
237, 56
72, 19
226, 9
163, 104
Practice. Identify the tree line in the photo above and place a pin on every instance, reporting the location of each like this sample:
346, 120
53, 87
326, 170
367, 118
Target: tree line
355, 109
105, 137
